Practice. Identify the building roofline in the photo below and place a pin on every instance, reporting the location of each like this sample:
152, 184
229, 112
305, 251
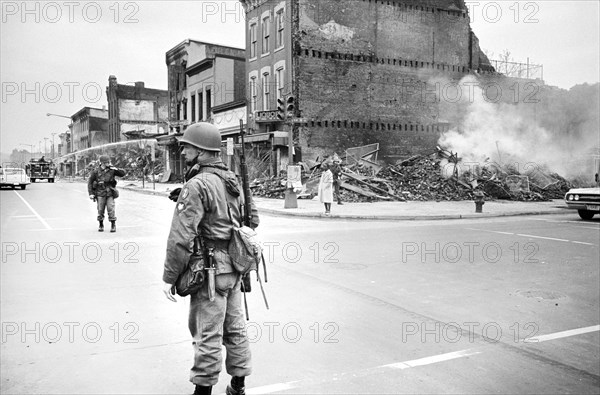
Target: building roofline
87, 109
187, 41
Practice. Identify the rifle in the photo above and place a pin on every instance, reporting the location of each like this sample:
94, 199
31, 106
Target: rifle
246, 218
247, 209
245, 184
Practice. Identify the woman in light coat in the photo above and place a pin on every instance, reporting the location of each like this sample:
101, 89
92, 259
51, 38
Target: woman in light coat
326, 187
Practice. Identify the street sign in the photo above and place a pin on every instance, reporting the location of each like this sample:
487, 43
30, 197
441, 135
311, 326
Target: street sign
298, 120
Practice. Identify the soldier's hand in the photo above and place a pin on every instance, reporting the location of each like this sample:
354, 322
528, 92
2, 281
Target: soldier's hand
92, 197
167, 291
174, 195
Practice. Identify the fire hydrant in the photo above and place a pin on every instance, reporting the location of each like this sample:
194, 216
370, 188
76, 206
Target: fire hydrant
479, 201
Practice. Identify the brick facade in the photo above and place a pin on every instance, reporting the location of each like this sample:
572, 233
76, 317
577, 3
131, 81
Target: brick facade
135, 108
367, 71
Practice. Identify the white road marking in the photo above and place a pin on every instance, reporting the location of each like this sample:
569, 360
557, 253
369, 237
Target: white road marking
558, 335
542, 237
580, 223
532, 236
267, 389
42, 220
431, 360
106, 228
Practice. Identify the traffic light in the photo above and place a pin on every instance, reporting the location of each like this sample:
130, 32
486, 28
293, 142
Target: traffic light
290, 108
280, 109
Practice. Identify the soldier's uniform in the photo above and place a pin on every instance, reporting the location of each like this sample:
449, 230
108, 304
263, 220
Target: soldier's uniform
101, 184
202, 208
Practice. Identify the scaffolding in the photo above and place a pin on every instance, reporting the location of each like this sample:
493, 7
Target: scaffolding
519, 70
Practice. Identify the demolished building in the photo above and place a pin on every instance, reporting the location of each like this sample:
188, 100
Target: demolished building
360, 72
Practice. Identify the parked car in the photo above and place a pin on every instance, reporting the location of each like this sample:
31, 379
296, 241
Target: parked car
585, 200
13, 177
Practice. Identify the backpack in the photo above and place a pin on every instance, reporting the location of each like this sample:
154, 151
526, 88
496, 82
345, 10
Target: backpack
244, 249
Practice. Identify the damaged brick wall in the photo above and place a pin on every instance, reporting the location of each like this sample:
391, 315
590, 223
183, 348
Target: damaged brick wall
367, 72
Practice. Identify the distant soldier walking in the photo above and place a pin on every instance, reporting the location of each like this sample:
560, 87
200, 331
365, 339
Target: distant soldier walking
102, 189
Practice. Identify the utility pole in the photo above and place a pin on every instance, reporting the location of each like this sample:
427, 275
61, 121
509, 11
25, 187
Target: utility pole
52, 144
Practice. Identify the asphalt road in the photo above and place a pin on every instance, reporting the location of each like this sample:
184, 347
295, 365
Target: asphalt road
508, 305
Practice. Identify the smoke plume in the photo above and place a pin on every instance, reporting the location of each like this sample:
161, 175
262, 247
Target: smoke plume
548, 134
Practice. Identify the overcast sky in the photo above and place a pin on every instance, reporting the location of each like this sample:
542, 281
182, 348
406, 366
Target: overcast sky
56, 49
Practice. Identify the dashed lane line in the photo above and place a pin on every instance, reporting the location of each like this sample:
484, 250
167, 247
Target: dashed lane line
432, 360
532, 236
559, 335
580, 224
42, 220
272, 388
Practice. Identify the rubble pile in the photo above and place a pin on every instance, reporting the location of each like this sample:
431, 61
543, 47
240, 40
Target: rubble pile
272, 187
421, 178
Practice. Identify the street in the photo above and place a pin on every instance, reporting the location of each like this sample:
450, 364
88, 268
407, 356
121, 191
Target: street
502, 305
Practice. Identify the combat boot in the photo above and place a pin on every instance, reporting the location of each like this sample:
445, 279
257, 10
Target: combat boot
237, 386
203, 390
113, 226
101, 226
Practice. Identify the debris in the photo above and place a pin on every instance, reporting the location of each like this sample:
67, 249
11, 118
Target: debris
420, 178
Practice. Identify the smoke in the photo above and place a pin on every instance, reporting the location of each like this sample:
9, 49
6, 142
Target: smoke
509, 134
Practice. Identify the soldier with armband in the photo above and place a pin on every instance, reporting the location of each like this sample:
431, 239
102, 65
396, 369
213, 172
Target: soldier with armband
202, 211
102, 189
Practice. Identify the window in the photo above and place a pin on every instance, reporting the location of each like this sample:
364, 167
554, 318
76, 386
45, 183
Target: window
208, 104
184, 102
253, 40
253, 94
193, 101
280, 80
200, 107
279, 18
266, 92
266, 28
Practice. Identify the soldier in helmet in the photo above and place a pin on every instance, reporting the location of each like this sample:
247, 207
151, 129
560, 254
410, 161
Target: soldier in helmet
102, 189
203, 210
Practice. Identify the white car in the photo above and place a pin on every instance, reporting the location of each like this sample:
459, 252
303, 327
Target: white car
585, 200
13, 177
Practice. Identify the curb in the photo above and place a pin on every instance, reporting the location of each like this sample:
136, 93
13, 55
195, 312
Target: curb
353, 217
404, 217
146, 191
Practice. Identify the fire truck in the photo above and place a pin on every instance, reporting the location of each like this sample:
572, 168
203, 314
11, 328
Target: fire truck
40, 169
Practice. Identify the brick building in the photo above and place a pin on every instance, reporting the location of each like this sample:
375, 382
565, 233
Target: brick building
361, 71
89, 128
206, 83
135, 111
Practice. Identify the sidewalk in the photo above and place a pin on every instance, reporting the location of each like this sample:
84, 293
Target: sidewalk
383, 210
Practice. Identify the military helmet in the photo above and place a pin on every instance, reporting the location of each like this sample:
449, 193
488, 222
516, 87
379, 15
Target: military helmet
203, 135
104, 159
